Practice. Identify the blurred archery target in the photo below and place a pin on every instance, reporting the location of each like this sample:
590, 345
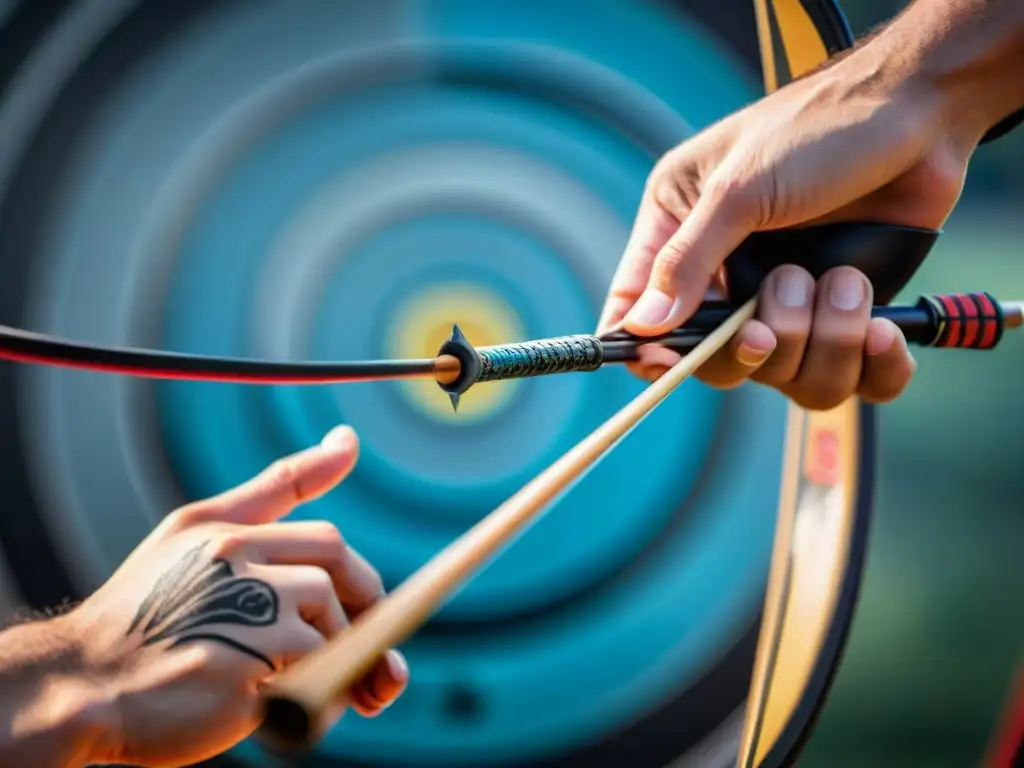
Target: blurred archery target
345, 180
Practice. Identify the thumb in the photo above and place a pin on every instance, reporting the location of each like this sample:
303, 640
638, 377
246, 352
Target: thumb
725, 214
289, 482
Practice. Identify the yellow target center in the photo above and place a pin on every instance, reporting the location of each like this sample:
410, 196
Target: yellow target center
425, 322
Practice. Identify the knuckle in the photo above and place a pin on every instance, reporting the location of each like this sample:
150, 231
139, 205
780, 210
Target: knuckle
328, 532
941, 178
188, 516
230, 546
675, 189
668, 195
282, 474
179, 520
671, 258
322, 582
662, 169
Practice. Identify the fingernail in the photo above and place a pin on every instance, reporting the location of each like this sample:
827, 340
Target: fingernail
847, 292
398, 671
397, 665
653, 308
339, 438
793, 288
750, 356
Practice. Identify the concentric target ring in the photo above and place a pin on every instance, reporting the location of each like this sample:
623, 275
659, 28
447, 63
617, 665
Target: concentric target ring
659, 600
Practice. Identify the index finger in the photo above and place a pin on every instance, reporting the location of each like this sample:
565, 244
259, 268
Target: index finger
288, 482
685, 268
652, 229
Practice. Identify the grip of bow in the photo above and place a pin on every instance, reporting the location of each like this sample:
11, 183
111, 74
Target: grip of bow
887, 254
565, 354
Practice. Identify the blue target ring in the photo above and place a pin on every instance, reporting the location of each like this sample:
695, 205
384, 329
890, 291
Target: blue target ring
407, 499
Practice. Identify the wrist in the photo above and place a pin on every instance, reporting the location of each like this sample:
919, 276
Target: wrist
88, 716
59, 713
964, 59
73, 716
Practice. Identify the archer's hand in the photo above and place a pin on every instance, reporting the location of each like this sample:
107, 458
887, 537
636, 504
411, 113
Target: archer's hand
845, 144
219, 597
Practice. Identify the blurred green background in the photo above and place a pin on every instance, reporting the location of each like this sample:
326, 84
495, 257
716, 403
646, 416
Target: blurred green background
938, 631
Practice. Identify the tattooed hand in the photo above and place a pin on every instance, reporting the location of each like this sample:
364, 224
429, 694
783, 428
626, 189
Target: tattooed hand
219, 597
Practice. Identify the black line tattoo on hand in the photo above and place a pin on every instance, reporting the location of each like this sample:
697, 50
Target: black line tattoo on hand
194, 595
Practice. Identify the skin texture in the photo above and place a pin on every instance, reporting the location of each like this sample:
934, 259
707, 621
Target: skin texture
883, 133
162, 666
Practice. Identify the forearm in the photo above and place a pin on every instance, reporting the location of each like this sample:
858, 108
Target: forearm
51, 714
968, 54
